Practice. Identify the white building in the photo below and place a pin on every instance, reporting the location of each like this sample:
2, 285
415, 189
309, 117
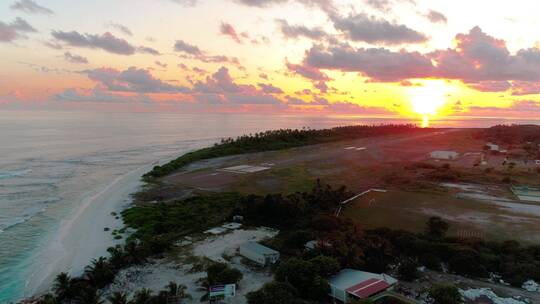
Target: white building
354, 284
492, 146
447, 155
258, 253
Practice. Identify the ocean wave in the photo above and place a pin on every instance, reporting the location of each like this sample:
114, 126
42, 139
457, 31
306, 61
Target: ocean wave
7, 223
13, 174
16, 221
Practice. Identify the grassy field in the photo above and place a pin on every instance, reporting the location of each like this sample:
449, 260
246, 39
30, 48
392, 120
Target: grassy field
400, 209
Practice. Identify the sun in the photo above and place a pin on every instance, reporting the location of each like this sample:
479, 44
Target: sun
428, 98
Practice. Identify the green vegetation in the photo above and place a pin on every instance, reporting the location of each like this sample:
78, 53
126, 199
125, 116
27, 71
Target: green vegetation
166, 222
274, 293
513, 134
302, 274
278, 140
308, 277
408, 270
220, 273
445, 294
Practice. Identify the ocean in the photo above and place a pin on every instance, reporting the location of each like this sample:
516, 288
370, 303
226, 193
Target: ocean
51, 161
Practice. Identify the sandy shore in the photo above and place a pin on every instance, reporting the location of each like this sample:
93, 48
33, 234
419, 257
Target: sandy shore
81, 236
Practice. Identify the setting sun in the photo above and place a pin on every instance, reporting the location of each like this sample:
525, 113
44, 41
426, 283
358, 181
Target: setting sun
428, 98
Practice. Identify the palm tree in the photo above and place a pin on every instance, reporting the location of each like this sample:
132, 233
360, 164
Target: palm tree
99, 273
117, 256
132, 254
118, 298
62, 287
89, 295
177, 292
142, 296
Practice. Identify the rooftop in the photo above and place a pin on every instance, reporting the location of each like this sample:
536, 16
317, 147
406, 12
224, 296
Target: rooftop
360, 283
256, 247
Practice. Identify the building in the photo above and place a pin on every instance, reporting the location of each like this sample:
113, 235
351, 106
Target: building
447, 155
316, 243
492, 146
354, 284
311, 245
258, 253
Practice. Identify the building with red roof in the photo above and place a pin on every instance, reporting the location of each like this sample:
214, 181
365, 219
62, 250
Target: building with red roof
350, 283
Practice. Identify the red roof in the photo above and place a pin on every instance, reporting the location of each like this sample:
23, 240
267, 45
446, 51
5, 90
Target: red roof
367, 288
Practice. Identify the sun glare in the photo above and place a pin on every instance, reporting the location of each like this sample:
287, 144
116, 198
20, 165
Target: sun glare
428, 98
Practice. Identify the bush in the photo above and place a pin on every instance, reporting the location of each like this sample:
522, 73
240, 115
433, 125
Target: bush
219, 273
408, 270
445, 294
436, 228
325, 266
305, 277
431, 261
468, 262
274, 293
173, 220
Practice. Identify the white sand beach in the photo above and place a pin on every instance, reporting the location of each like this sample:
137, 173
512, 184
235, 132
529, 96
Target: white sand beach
81, 237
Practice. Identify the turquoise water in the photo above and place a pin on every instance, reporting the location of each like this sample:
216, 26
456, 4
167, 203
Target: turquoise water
50, 161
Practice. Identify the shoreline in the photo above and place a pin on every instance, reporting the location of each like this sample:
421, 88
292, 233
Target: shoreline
81, 237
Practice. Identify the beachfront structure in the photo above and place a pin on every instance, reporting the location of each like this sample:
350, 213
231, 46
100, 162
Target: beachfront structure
526, 193
446, 155
258, 253
354, 284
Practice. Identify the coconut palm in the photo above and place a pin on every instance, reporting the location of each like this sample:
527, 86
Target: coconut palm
63, 287
132, 254
118, 298
99, 273
143, 296
89, 295
117, 257
175, 292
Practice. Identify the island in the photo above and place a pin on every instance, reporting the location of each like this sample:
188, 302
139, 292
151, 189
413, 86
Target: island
356, 214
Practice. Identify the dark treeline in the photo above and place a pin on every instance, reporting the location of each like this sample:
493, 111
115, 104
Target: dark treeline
277, 140
513, 134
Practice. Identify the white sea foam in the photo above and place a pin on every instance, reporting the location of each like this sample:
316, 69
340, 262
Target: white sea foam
15, 173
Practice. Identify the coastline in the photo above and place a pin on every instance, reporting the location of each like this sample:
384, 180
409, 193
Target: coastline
81, 236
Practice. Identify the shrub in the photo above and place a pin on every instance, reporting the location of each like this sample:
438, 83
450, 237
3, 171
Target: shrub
467, 262
431, 261
408, 270
304, 276
274, 293
219, 273
445, 294
436, 227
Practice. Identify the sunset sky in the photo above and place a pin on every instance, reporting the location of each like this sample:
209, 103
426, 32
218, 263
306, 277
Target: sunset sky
353, 57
